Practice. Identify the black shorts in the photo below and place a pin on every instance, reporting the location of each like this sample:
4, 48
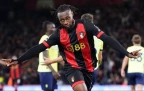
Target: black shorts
77, 76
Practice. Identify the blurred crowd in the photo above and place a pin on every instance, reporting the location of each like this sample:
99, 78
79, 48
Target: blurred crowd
21, 30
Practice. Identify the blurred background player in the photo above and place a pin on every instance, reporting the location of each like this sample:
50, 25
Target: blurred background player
15, 72
14, 79
48, 73
135, 66
97, 43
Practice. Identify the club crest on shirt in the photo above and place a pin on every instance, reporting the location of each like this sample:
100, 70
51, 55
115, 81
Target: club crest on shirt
72, 79
81, 35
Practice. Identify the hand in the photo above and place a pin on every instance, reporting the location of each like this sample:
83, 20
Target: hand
2, 62
134, 54
122, 73
9, 62
56, 75
46, 61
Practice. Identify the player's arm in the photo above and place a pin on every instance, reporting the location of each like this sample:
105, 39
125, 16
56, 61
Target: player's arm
53, 40
2, 62
57, 60
100, 57
48, 61
60, 60
61, 63
91, 28
45, 54
55, 74
124, 64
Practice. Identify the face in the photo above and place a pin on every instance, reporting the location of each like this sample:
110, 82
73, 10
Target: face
66, 18
50, 28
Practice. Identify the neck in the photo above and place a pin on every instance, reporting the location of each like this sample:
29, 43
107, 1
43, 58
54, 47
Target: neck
137, 44
73, 24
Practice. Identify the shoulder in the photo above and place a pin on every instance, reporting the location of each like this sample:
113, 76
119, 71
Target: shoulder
84, 22
142, 49
97, 40
60, 28
44, 37
130, 47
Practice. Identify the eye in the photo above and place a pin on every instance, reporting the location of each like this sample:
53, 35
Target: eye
67, 18
62, 20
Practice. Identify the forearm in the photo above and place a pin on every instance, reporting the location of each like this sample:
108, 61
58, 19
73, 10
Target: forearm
45, 54
114, 44
125, 62
100, 57
59, 59
62, 63
1, 62
51, 68
31, 52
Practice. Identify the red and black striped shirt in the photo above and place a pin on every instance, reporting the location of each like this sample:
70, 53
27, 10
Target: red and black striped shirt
76, 45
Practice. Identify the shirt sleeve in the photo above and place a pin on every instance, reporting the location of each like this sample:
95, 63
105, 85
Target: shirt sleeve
91, 28
52, 40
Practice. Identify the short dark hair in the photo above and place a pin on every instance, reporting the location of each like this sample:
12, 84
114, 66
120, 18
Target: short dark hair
87, 17
45, 23
65, 7
136, 39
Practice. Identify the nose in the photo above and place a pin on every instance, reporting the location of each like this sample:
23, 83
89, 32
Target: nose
65, 22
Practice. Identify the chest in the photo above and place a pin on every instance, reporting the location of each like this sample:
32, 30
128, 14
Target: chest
74, 40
